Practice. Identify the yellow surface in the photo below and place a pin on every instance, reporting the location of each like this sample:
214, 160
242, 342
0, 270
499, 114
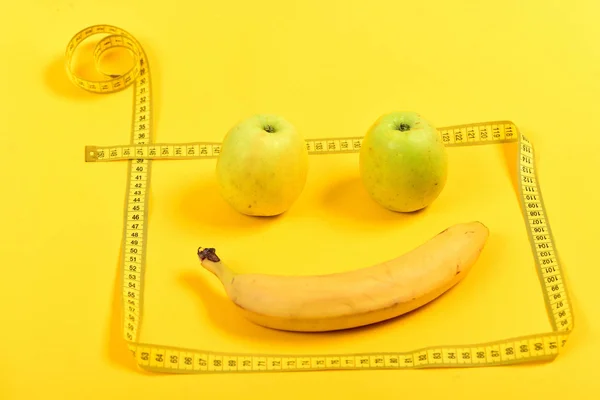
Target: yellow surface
331, 68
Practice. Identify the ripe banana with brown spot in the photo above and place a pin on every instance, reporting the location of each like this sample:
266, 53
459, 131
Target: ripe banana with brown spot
355, 298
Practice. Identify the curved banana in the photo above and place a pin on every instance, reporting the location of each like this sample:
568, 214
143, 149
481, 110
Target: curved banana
355, 298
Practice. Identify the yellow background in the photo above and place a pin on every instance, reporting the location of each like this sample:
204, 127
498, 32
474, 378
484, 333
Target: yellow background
331, 68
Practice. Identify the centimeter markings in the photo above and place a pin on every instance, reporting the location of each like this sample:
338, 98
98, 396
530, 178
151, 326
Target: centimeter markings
474, 134
138, 173
154, 357
542, 241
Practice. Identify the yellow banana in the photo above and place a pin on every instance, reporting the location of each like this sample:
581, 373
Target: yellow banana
355, 298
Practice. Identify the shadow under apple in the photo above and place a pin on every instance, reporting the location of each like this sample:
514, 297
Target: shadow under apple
199, 207
349, 199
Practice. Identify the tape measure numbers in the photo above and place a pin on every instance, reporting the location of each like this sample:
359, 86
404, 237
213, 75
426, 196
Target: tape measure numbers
140, 153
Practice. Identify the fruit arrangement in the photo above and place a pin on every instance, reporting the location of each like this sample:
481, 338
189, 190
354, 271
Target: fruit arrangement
261, 171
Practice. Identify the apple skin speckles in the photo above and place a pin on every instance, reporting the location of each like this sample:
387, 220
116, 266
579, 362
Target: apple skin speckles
263, 165
403, 170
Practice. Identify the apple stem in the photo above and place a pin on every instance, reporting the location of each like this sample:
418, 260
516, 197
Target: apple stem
403, 127
212, 262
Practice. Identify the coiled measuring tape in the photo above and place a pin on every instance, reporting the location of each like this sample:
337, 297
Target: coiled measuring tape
161, 358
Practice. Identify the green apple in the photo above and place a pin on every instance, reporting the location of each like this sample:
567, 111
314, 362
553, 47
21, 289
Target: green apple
403, 162
263, 164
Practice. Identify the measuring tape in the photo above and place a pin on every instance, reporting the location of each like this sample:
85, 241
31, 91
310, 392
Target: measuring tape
161, 358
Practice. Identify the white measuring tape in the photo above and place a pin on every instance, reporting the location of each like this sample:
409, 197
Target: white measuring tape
139, 154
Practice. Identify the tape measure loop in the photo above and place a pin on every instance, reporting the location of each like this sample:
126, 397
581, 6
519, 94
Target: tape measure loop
114, 38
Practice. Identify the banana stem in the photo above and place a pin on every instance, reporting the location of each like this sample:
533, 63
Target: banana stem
211, 261
208, 253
